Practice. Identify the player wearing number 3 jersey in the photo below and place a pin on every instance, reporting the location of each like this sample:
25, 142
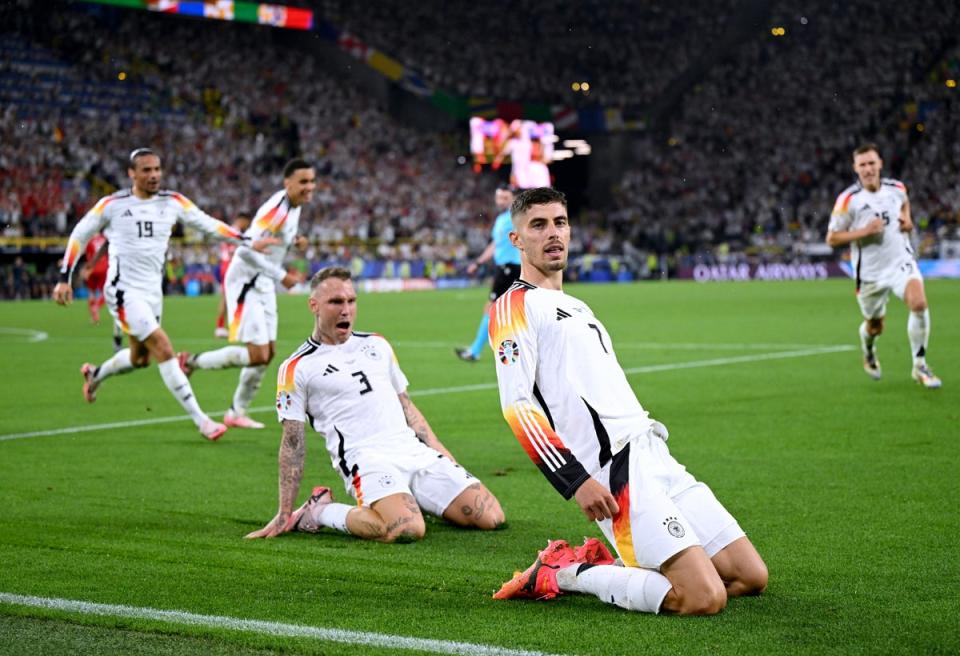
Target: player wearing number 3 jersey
873, 217
349, 387
568, 402
137, 223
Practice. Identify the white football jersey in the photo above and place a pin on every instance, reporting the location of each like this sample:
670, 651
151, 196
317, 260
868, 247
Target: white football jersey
874, 257
348, 392
562, 390
275, 218
138, 231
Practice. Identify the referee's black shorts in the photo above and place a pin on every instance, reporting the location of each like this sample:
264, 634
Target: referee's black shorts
505, 276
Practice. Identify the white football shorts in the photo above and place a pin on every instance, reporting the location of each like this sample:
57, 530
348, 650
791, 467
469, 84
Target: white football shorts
431, 478
872, 296
663, 509
136, 312
252, 313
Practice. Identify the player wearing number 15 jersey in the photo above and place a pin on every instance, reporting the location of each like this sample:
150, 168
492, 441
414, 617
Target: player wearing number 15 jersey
873, 217
350, 388
568, 402
137, 223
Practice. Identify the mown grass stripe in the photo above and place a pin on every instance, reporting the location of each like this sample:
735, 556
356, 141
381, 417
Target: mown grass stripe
670, 366
382, 640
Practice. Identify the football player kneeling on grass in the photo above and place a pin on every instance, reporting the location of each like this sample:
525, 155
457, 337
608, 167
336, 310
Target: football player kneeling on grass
349, 386
569, 404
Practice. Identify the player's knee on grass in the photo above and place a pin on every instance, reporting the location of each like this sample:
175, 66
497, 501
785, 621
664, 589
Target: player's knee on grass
751, 580
476, 507
707, 597
405, 529
402, 519
875, 326
697, 588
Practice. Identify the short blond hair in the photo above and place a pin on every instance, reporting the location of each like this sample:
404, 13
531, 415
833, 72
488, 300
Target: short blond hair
329, 272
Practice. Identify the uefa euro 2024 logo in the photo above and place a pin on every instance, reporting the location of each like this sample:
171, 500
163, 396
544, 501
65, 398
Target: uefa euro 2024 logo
508, 351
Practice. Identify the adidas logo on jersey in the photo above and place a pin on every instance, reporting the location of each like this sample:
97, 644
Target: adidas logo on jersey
127, 213
330, 370
563, 314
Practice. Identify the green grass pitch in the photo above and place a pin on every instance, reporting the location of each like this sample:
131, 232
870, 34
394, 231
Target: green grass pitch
848, 487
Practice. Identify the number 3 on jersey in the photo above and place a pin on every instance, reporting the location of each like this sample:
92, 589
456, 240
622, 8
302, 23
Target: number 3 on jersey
363, 380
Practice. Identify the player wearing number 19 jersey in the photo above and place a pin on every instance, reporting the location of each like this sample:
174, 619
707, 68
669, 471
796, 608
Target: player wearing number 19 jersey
137, 223
873, 217
568, 402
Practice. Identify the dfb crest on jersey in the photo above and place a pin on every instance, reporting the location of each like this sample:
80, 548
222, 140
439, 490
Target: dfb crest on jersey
508, 351
284, 400
674, 527
371, 352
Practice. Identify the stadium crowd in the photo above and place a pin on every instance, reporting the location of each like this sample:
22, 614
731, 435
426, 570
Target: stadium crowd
528, 50
759, 150
748, 167
225, 127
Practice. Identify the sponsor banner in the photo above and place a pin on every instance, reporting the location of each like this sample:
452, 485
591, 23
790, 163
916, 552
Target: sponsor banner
929, 269
940, 268
396, 285
772, 271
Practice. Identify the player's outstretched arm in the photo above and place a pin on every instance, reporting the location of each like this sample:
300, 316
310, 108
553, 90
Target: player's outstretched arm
91, 223
196, 218
259, 261
293, 451
418, 423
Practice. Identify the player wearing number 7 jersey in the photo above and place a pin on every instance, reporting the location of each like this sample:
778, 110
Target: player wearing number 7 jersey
137, 223
873, 217
349, 387
568, 402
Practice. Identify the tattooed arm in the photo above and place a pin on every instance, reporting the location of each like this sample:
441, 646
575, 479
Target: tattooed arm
418, 423
292, 453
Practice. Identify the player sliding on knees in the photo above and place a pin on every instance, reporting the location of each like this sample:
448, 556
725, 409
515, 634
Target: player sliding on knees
137, 223
569, 404
250, 290
350, 388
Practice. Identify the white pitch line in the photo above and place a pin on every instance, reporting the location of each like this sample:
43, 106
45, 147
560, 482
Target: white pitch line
694, 346
381, 640
716, 362
31, 335
671, 366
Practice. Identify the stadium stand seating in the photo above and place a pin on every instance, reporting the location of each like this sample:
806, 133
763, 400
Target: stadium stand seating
749, 145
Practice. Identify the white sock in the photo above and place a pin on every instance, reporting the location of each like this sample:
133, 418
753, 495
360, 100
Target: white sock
866, 339
918, 330
334, 515
228, 356
633, 588
118, 364
176, 381
250, 378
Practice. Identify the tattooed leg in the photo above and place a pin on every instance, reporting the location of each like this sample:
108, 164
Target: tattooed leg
402, 519
475, 507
